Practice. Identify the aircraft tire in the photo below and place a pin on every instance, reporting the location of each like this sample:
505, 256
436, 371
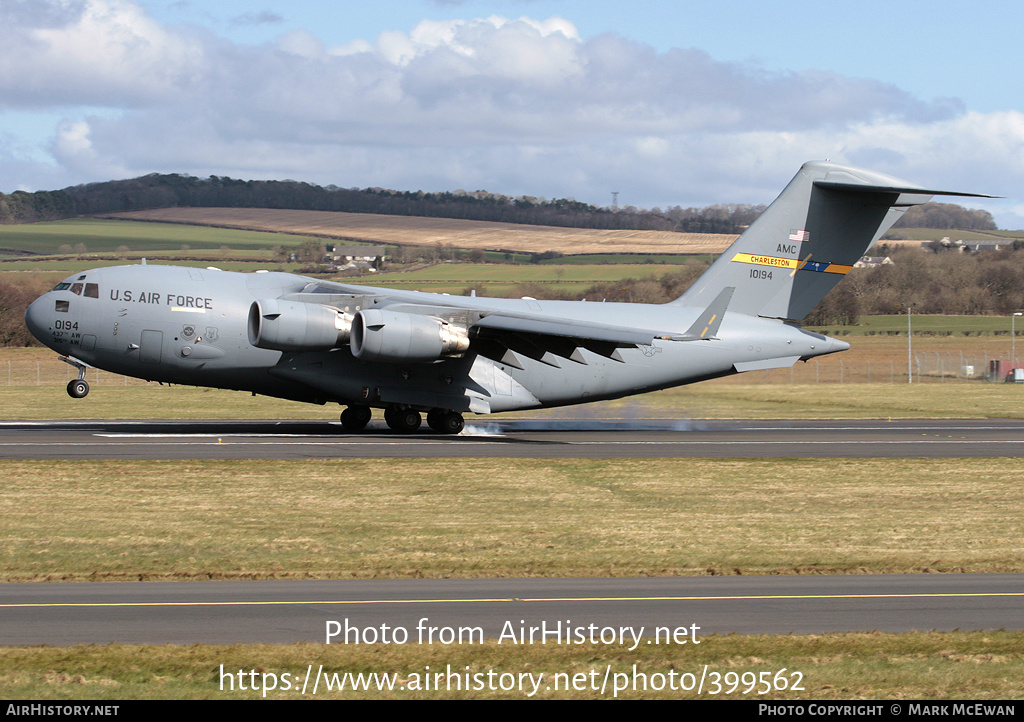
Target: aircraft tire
78, 389
404, 421
435, 420
445, 422
453, 423
355, 418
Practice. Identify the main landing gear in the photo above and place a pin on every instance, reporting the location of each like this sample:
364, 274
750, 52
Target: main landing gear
403, 420
355, 418
445, 422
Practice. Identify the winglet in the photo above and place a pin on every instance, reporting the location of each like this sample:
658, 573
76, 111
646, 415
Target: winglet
706, 325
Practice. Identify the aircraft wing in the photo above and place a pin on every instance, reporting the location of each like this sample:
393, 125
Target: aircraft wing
502, 321
499, 331
477, 316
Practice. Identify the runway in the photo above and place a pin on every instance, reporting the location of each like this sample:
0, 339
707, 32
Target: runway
281, 612
518, 438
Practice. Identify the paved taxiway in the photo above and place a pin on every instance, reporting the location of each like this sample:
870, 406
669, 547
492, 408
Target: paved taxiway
522, 438
294, 611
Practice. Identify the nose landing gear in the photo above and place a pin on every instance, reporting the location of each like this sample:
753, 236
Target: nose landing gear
79, 388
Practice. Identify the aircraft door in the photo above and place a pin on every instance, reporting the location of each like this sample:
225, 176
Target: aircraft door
151, 346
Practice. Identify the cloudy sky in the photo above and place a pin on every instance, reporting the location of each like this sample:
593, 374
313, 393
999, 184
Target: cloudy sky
668, 103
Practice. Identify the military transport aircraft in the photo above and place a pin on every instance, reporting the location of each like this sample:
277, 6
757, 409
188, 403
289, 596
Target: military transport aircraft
407, 352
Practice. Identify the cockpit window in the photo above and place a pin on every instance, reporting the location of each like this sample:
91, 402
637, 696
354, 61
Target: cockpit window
62, 306
76, 288
92, 290
62, 286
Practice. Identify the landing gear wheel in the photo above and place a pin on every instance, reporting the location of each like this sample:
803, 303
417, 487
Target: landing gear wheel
404, 421
445, 422
355, 418
435, 420
78, 389
453, 423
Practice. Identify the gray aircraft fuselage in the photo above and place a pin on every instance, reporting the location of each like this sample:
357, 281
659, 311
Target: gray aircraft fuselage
189, 326
299, 338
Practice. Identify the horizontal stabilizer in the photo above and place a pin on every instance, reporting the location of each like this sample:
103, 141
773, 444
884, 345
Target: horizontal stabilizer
706, 325
909, 189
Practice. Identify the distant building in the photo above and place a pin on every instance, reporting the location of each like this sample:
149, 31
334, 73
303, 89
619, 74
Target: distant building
347, 257
966, 246
873, 262
978, 246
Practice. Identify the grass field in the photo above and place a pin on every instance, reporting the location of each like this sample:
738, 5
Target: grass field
896, 325
502, 279
869, 666
103, 236
420, 231
208, 519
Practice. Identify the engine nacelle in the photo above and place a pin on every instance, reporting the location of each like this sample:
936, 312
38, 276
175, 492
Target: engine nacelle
293, 326
381, 335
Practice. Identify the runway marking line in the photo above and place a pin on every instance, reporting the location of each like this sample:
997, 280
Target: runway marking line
515, 599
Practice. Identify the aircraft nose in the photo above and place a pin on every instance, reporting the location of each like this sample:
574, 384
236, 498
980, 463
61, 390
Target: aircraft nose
38, 317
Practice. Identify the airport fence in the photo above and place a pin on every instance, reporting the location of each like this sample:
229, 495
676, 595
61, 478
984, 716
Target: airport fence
51, 372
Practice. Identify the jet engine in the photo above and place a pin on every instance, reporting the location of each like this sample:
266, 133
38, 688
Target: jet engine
381, 335
294, 326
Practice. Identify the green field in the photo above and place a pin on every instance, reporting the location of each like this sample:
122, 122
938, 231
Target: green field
105, 236
648, 259
928, 326
502, 279
34, 248
210, 519
937, 234
867, 666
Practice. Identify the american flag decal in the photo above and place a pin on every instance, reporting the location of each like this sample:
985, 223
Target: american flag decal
797, 235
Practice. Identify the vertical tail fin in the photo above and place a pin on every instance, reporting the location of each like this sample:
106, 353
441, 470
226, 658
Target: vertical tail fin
807, 240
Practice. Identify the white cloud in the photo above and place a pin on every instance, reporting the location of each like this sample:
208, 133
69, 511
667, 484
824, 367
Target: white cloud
302, 43
512, 105
96, 52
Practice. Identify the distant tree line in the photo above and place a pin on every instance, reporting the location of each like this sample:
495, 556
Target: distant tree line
941, 282
15, 296
946, 215
23, 207
167, 190
163, 190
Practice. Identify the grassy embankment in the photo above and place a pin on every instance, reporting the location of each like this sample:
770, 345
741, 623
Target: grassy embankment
88, 520
872, 666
